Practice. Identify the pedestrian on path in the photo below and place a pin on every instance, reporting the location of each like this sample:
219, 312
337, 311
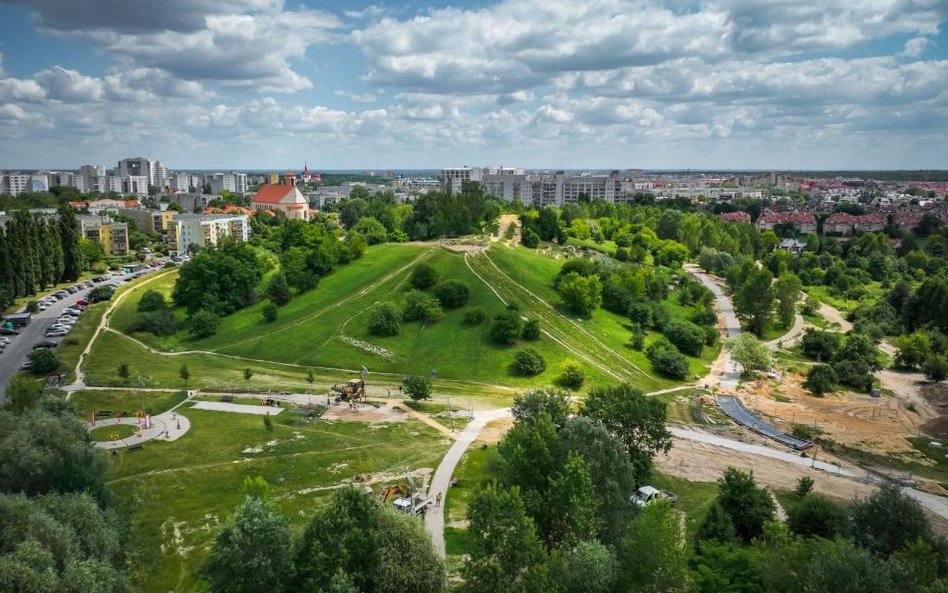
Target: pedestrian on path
438, 500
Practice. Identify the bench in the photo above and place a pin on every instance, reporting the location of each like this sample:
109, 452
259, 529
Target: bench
136, 447
103, 414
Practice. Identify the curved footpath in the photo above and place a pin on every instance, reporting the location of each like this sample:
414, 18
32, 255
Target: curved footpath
167, 426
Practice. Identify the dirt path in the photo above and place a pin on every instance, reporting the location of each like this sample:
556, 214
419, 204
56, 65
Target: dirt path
427, 420
503, 223
833, 315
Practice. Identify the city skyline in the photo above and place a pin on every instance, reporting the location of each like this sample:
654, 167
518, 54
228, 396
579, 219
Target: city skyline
260, 84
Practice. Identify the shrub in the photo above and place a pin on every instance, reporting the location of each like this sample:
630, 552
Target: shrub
152, 300
507, 327
531, 330
475, 316
820, 345
637, 341
529, 238
581, 294
423, 276
452, 294
529, 362
270, 312
101, 293
935, 368
421, 306
666, 359
820, 379
688, 337
43, 362
204, 323
660, 317
278, 290
571, 375
417, 386
854, 373
641, 314
159, 323
384, 320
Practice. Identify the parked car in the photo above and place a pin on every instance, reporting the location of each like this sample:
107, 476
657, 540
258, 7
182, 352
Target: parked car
57, 334
41, 306
73, 312
6, 331
25, 366
82, 302
4, 340
649, 494
45, 344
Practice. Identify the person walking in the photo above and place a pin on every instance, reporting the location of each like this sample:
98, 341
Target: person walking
438, 500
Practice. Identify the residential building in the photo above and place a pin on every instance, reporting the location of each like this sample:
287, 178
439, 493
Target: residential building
282, 198
205, 230
112, 236
739, 216
93, 170
190, 202
505, 183
792, 245
185, 182
565, 188
800, 222
149, 221
15, 184
453, 179
842, 223
153, 171
233, 182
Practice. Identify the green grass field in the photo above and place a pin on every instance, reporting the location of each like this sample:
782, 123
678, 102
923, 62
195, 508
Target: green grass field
177, 494
88, 402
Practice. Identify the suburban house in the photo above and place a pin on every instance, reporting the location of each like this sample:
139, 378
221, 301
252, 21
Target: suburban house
842, 223
801, 222
792, 245
739, 216
281, 198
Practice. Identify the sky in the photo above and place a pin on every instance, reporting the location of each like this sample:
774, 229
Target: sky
237, 84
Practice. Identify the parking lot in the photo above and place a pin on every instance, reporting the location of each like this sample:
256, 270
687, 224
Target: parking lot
53, 323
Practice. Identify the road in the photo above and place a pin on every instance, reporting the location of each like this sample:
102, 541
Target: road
731, 373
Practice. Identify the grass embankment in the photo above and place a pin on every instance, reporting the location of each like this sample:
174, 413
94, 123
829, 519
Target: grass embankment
177, 494
474, 471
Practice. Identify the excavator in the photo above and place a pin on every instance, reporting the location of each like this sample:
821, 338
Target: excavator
352, 391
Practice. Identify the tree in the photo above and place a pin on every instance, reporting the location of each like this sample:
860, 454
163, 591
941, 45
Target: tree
636, 420
590, 567
101, 293
913, 350
571, 508
310, 377
748, 505
529, 362
373, 230
816, 515
581, 294
423, 276
278, 290
840, 567
529, 238
384, 320
505, 554
936, 368
406, 559
787, 291
820, 345
888, 520
507, 327
219, 279
418, 387
717, 526
123, 371
252, 552
184, 373
747, 351
655, 553
43, 362
204, 323
22, 393
452, 294
531, 330
820, 379
421, 306
754, 299
267, 422
571, 375
270, 312
69, 235
666, 359
248, 374
152, 300
686, 336
531, 405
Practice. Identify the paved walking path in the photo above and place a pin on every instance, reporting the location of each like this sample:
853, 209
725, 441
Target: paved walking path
441, 481
730, 373
168, 426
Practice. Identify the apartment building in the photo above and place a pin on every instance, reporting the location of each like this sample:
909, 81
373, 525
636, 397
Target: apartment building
149, 221
205, 230
112, 236
232, 182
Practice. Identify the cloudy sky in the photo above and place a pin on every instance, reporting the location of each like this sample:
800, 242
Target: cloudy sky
536, 83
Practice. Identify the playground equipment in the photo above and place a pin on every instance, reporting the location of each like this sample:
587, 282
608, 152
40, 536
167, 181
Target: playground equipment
407, 498
352, 391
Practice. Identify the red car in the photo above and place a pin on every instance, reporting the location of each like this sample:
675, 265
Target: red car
82, 302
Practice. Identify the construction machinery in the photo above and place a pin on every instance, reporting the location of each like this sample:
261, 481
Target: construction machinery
409, 499
352, 391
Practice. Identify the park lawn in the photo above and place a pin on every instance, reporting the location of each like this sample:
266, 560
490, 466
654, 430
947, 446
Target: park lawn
475, 470
112, 433
155, 402
694, 498
176, 495
607, 247
73, 345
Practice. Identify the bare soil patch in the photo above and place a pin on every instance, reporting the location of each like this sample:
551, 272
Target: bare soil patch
363, 413
936, 396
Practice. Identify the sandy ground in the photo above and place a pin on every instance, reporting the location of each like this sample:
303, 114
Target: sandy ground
238, 408
495, 430
503, 224
363, 413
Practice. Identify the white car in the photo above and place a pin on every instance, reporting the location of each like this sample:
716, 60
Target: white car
66, 320
59, 327
4, 340
59, 334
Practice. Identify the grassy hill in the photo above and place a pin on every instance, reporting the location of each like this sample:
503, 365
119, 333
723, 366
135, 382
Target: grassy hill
326, 329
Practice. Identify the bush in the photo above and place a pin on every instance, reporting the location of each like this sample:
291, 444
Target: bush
660, 317
421, 306
529, 238
820, 379
529, 362
935, 368
820, 345
688, 337
159, 323
853, 373
581, 294
43, 362
817, 516
417, 386
101, 293
637, 341
270, 312
641, 314
452, 294
384, 320
531, 330
571, 375
204, 323
278, 290
507, 327
423, 276
152, 300
666, 359
475, 316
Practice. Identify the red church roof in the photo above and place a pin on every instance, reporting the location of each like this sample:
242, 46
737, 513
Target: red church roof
271, 194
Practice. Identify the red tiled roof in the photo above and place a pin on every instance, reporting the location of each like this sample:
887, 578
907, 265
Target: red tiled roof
271, 194
787, 217
739, 216
130, 203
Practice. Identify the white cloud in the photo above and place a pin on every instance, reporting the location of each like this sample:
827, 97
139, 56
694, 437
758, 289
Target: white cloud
916, 46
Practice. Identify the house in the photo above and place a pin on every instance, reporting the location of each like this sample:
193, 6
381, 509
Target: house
739, 216
792, 245
282, 198
801, 222
842, 223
